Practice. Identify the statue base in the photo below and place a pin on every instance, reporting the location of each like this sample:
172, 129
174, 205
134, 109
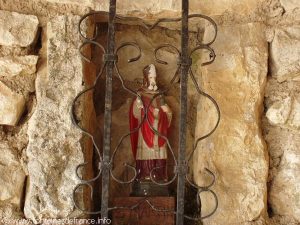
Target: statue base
142, 213
148, 188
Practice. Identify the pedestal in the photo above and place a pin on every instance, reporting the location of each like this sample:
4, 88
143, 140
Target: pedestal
143, 213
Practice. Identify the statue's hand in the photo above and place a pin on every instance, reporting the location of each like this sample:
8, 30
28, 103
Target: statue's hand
166, 109
139, 103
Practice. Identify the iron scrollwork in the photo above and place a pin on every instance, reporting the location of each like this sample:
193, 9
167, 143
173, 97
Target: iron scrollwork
110, 63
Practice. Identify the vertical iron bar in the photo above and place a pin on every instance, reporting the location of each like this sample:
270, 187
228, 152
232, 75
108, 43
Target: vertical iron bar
183, 113
107, 112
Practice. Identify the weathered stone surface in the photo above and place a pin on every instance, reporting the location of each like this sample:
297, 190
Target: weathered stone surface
13, 66
11, 106
9, 212
173, 7
282, 220
272, 11
54, 149
280, 14
12, 176
19, 73
284, 193
148, 8
88, 3
224, 11
17, 29
279, 112
43, 9
290, 4
285, 53
285, 113
220, 7
294, 118
15, 51
284, 171
236, 152
283, 141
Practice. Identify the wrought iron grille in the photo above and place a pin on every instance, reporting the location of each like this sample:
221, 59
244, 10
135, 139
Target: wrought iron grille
183, 72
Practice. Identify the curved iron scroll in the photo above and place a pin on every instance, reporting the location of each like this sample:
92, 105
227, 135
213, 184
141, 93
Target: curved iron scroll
110, 60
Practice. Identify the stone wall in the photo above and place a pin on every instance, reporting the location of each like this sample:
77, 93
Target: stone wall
41, 73
18, 71
237, 151
54, 149
255, 152
282, 122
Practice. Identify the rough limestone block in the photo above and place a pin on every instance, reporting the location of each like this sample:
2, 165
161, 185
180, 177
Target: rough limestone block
284, 149
284, 193
236, 152
220, 7
285, 53
18, 65
279, 112
289, 5
77, 2
54, 149
12, 176
295, 114
285, 113
11, 106
17, 29
8, 212
165, 8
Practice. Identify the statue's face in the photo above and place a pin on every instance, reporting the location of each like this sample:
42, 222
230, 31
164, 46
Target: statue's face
152, 78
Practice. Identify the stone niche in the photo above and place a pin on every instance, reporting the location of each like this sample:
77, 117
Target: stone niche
236, 80
132, 74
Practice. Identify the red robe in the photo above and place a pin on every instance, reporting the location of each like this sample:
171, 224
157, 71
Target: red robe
144, 167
